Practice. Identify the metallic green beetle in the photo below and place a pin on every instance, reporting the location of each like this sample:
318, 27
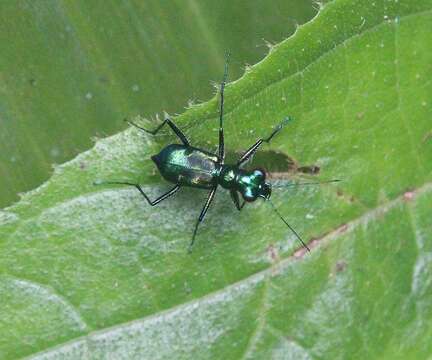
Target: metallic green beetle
185, 165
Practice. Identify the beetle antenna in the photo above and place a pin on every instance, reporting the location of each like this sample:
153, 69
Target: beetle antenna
289, 226
306, 183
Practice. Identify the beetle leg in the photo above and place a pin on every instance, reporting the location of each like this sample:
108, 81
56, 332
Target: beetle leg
168, 121
203, 213
221, 131
254, 148
236, 200
151, 203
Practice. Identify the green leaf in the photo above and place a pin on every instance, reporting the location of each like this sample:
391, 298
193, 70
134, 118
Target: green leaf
95, 272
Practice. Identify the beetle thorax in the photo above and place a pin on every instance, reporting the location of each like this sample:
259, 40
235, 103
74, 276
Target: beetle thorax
228, 176
251, 184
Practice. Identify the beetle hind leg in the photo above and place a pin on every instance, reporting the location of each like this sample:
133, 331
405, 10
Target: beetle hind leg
151, 202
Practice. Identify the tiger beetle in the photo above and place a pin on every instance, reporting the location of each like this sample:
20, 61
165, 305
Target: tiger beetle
185, 165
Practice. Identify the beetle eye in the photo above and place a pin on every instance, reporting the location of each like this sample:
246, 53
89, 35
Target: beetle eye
259, 174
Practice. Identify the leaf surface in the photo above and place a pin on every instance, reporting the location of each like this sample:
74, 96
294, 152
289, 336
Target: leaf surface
95, 272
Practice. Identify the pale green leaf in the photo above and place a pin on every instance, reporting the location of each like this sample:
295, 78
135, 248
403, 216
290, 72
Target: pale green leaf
96, 273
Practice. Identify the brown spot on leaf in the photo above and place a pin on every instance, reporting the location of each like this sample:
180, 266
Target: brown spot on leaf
273, 253
277, 164
309, 169
408, 196
340, 266
300, 253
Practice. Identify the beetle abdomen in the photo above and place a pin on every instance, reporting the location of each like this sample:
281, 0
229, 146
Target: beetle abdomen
188, 166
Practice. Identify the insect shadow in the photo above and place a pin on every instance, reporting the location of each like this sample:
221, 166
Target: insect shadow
185, 165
